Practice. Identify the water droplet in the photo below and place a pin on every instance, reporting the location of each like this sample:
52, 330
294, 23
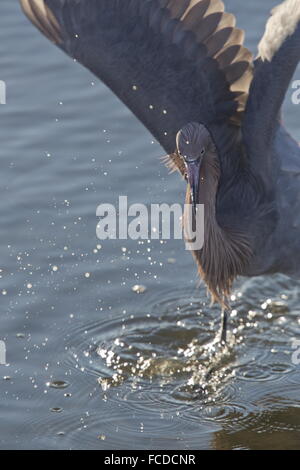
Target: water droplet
57, 384
20, 335
139, 289
56, 410
279, 307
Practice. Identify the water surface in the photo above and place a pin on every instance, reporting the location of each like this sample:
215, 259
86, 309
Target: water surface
92, 364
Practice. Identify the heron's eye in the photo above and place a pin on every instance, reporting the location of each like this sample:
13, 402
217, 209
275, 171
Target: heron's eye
202, 152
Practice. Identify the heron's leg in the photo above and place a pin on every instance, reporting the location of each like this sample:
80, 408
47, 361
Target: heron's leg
220, 339
224, 320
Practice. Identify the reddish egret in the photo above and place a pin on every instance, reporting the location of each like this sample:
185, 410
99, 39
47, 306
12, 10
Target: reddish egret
182, 69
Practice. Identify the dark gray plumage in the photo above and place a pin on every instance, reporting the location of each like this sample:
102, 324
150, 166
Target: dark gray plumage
180, 66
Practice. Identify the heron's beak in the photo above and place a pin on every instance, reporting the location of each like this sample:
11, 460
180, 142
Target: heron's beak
193, 174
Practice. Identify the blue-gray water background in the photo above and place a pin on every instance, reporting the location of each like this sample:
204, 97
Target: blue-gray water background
92, 364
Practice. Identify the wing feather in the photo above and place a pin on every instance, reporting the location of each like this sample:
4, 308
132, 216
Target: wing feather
167, 60
279, 55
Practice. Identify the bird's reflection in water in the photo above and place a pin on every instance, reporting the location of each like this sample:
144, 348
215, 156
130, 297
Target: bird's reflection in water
265, 430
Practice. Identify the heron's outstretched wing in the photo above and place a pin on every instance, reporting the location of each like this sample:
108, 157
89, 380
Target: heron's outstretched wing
279, 54
170, 61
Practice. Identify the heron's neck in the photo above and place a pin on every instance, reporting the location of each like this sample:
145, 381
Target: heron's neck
225, 252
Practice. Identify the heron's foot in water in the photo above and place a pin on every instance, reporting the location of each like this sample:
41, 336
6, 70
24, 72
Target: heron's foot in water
213, 356
215, 346
215, 351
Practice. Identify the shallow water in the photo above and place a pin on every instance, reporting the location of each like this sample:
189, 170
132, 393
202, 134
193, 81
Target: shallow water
92, 364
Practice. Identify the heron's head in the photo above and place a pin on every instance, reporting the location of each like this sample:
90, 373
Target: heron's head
196, 147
